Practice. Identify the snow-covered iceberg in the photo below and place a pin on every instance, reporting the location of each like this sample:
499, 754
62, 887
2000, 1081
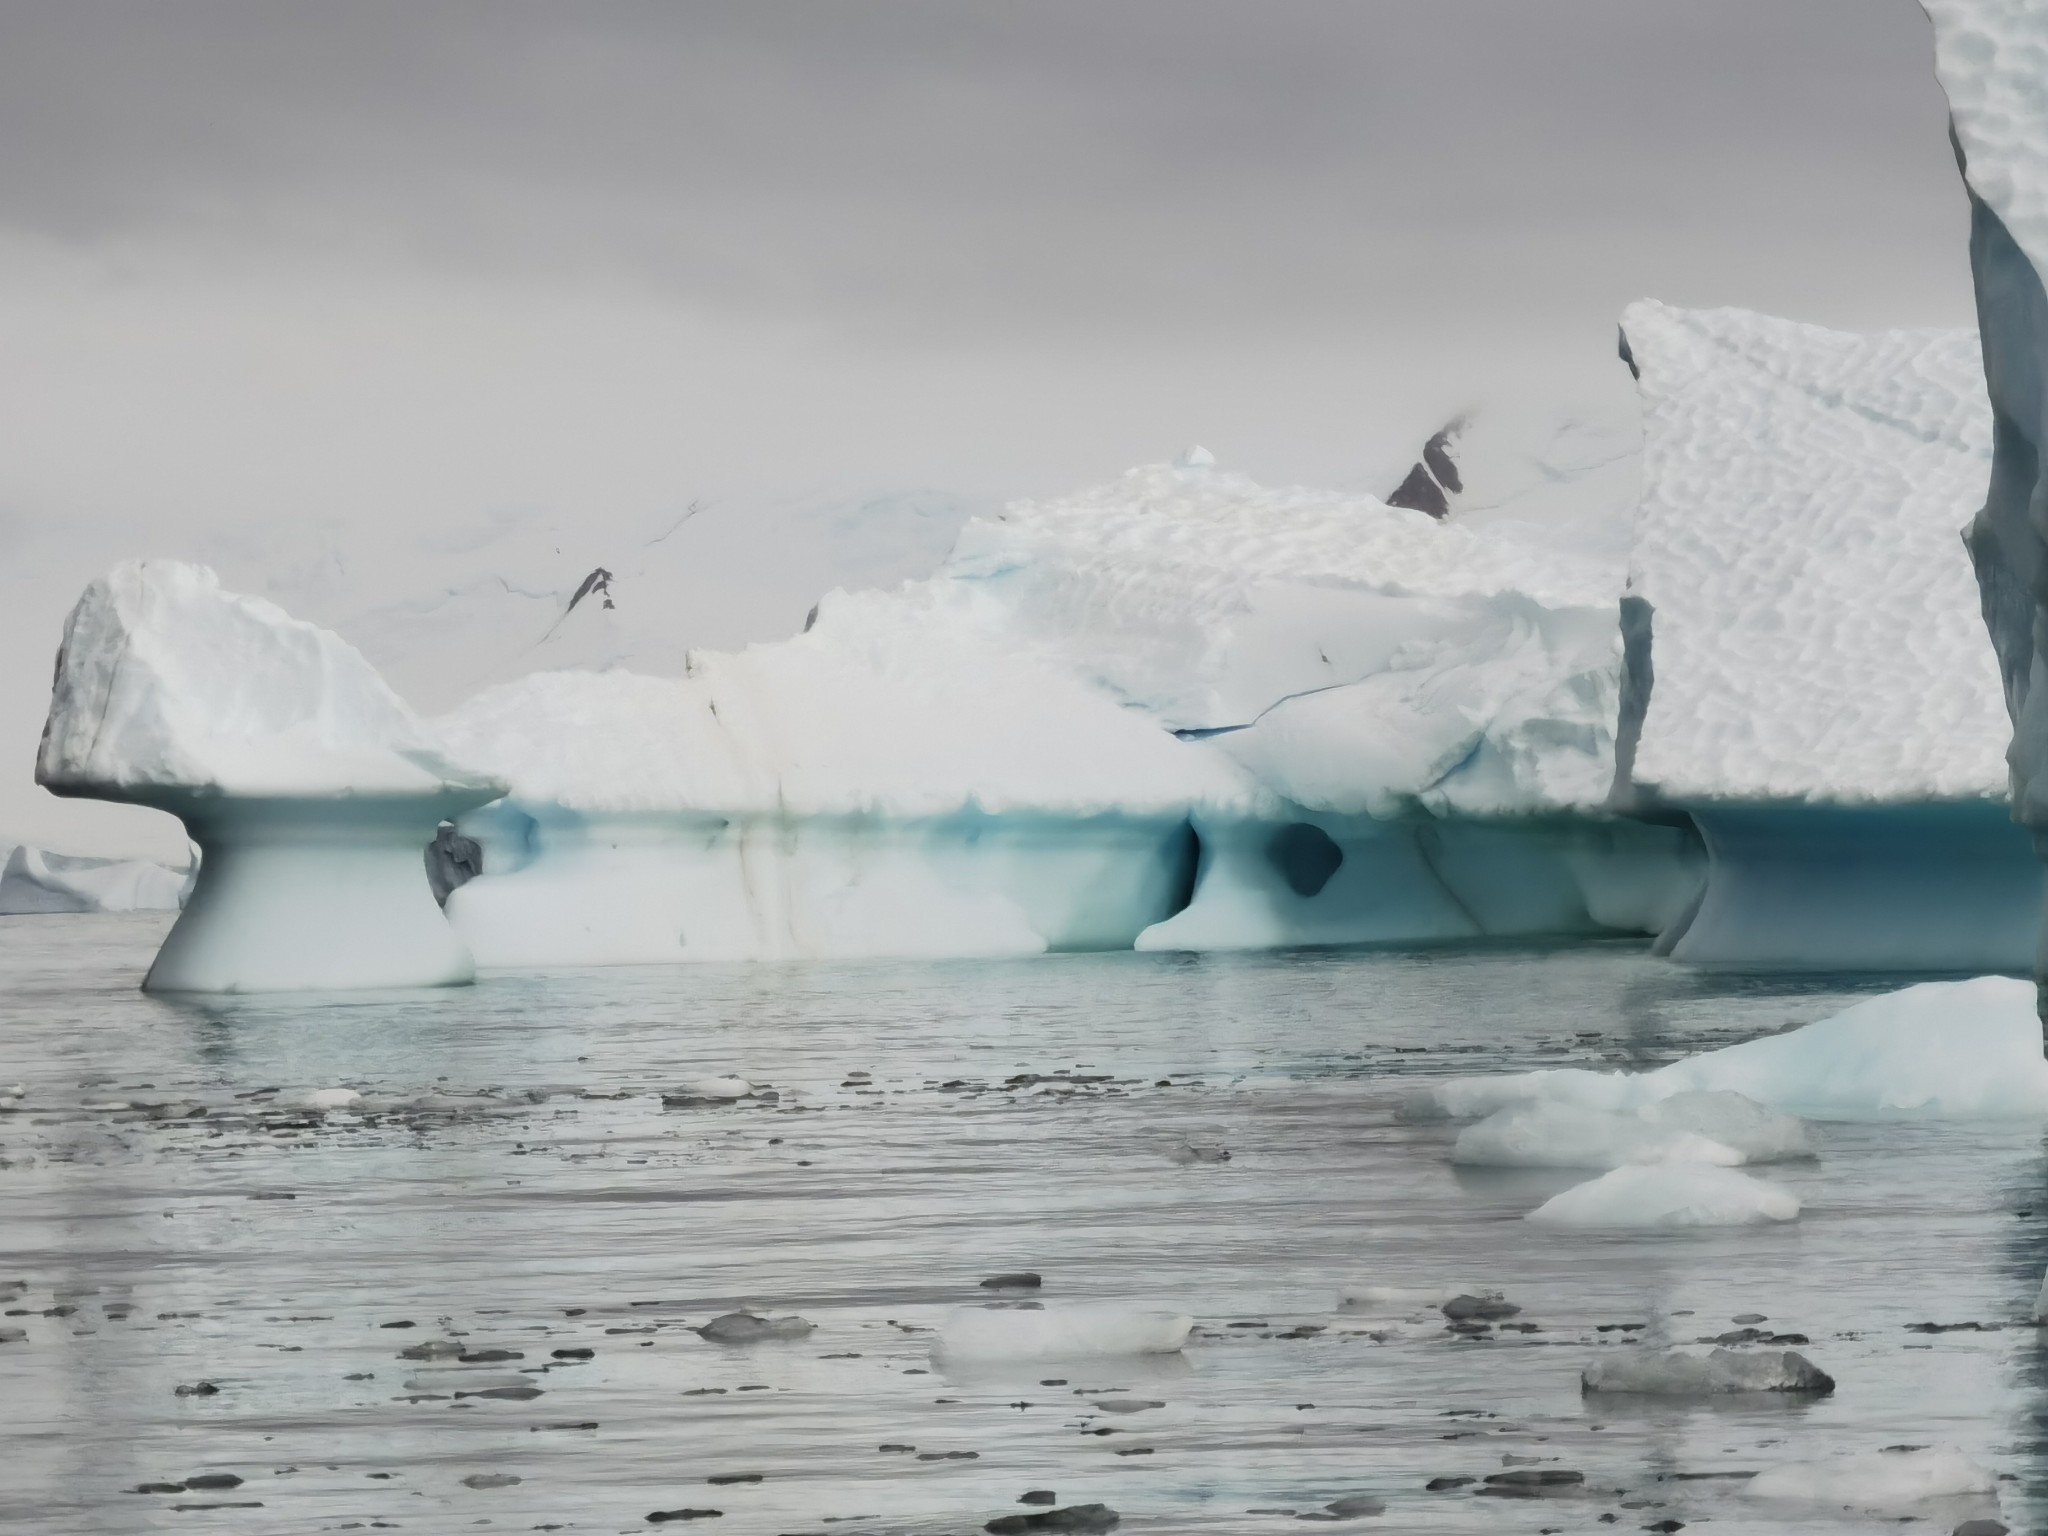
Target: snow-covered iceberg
34, 880
1807, 673
1992, 59
308, 785
1180, 710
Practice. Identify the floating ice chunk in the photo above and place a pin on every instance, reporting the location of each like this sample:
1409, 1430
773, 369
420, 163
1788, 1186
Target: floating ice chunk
1759, 1133
714, 1088
32, 880
1939, 1050
332, 1098
751, 1328
1668, 1196
1679, 1373
1547, 1134
2041, 1302
1880, 1481
1063, 1333
1396, 1299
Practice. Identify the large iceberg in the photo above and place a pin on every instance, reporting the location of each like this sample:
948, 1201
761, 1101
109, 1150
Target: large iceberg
1992, 58
1807, 676
307, 784
1180, 710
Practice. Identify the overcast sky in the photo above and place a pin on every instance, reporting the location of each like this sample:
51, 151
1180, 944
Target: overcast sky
396, 265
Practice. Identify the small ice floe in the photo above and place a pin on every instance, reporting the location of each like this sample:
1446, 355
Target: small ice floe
1063, 1333
1396, 1300
1667, 1195
1073, 1518
1198, 1149
1881, 1482
1484, 1306
324, 1099
752, 1328
1717, 1128
693, 1091
1679, 1373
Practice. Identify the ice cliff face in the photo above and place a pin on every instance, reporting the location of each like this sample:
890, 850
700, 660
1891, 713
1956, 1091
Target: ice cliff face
1807, 674
308, 785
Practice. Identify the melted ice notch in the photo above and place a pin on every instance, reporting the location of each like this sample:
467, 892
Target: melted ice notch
309, 786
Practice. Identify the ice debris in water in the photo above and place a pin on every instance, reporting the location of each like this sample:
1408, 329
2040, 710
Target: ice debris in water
1719, 1128
1680, 1373
1075, 1517
1938, 1050
1199, 1146
707, 1090
1064, 1333
332, 1098
1668, 1195
751, 1327
1395, 1298
2041, 1302
1878, 1481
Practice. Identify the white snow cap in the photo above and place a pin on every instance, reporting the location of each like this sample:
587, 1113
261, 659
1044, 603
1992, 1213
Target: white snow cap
166, 680
1992, 58
1817, 633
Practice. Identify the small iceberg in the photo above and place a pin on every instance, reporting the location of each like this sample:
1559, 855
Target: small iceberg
1679, 1373
1881, 1482
975, 1334
1670, 1195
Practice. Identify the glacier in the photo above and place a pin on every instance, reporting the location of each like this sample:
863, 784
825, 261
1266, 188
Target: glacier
1991, 57
1807, 678
309, 787
1177, 711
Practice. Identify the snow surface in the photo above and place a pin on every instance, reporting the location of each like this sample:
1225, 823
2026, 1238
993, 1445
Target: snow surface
34, 880
167, 681
1668, 1195
974, 1334
1879, 1481
1816, 634
1956, 1050
1992, 59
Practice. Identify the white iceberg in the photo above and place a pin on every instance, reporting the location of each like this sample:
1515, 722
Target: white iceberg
1180, 710
991, 1334
1808, 676
1545, 1133
1958, 1050
35, 880
1882, 1482
1665, 1196
309, 787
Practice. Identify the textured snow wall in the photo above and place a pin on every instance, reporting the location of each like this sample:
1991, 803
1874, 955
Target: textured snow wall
1992, 58
1807, 673
34, 880
1329, 720
307, 784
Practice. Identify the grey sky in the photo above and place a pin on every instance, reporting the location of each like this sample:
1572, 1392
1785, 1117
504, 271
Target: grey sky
277, 264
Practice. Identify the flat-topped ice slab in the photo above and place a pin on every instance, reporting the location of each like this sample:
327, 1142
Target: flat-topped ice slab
309, 786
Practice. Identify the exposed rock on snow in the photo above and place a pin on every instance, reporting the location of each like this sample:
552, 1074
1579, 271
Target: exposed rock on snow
1881, 1482
992, 1334
32, 880
307, 784
1807, 669
1938, 1050
1668, 1196
1680, 1373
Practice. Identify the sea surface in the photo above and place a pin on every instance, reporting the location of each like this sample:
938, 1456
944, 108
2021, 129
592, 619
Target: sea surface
229, 1292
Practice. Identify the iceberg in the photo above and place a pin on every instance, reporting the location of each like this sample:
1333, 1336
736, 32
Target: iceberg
1177, 711
1807, 677
1667, 1196
1941, 1050
1989, 57
308, 786
35, 880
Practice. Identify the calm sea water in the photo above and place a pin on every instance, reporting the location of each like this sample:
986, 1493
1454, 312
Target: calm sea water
515, 1184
